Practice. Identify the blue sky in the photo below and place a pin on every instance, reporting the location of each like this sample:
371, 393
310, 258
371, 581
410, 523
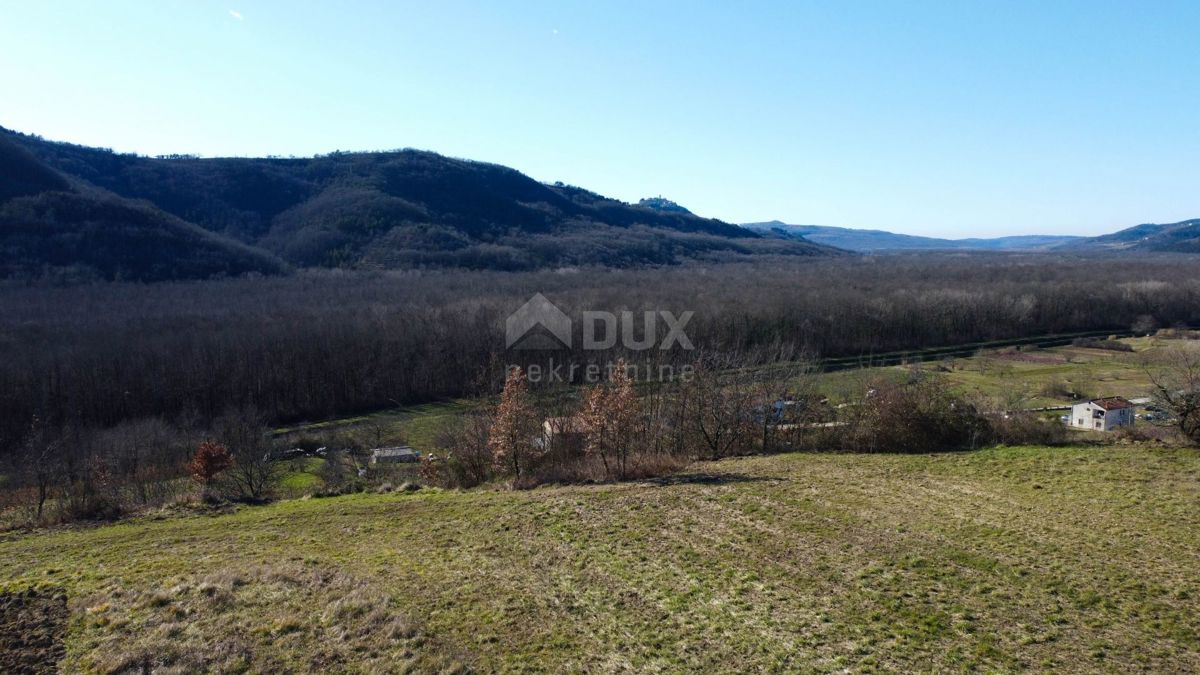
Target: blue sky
941, 118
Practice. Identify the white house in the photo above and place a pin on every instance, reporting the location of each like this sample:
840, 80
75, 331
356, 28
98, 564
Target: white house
1102, 414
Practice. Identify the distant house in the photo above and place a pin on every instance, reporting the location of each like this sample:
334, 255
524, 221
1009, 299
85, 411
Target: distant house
1102, 414
564, 432
803, 408
397, 455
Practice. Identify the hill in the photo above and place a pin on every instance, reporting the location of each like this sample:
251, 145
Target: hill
879, 240
662, 204
53, 227
1001, 560
22, 174
1181, 237
399, 209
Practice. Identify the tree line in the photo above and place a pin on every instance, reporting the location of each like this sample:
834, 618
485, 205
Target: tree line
612, 431
320, 345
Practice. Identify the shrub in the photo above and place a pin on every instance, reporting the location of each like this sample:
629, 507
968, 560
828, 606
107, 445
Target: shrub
920, 416
463, 458
210, 460
1056, 388
1027, 429
1111, 344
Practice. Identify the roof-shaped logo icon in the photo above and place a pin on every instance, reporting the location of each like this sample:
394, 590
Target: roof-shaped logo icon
538, 324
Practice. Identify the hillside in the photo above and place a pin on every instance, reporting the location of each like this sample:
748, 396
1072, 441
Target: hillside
398, 209
1012, 559
53, 227
879, 240
1181, 237
85, 236
23, 175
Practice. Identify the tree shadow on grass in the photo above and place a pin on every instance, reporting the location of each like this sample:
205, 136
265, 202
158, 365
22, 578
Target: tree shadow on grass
709, 479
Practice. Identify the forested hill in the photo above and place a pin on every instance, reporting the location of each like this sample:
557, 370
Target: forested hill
54, 226
376, 210
1181, 237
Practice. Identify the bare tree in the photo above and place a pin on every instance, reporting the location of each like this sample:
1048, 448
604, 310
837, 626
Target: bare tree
462, 458
785, 395
720, 400
253, 473
41, 463
1177, 389
920, 416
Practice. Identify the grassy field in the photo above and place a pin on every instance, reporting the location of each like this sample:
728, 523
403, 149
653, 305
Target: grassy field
1054, 559
1008, 376
417, 424
1026, 377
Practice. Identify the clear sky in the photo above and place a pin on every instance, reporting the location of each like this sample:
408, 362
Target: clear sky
959, 118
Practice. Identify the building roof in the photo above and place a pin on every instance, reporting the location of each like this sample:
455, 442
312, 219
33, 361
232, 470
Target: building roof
1112, 403
398, 451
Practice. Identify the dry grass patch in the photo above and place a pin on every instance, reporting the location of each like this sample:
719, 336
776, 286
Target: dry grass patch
270, 618
1057, 559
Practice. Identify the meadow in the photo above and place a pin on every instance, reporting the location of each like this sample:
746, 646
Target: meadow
1058, 559
1053, 377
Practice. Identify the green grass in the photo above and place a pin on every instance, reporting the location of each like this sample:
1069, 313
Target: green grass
300, 477
1094, 372
418, 424
1011, 558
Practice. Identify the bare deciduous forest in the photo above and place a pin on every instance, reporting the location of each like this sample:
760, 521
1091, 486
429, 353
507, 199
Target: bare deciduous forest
108, 389
323, 344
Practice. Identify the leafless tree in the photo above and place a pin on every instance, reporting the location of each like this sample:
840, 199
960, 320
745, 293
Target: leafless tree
720, 401
462, 457
253, 473
1176, 385
41, 463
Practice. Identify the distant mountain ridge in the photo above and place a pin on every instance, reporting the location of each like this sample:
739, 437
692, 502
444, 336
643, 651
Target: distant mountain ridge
878, 240
109, 215
1181, 237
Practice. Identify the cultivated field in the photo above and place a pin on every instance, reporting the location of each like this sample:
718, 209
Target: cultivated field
1076, 559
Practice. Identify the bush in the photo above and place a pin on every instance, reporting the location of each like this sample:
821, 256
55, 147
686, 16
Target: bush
1111, 344
1027, 429
919, 416
1143, 433
462, 458
1056, 388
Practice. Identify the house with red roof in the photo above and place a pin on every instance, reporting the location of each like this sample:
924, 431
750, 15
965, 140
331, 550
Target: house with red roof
1102, 414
